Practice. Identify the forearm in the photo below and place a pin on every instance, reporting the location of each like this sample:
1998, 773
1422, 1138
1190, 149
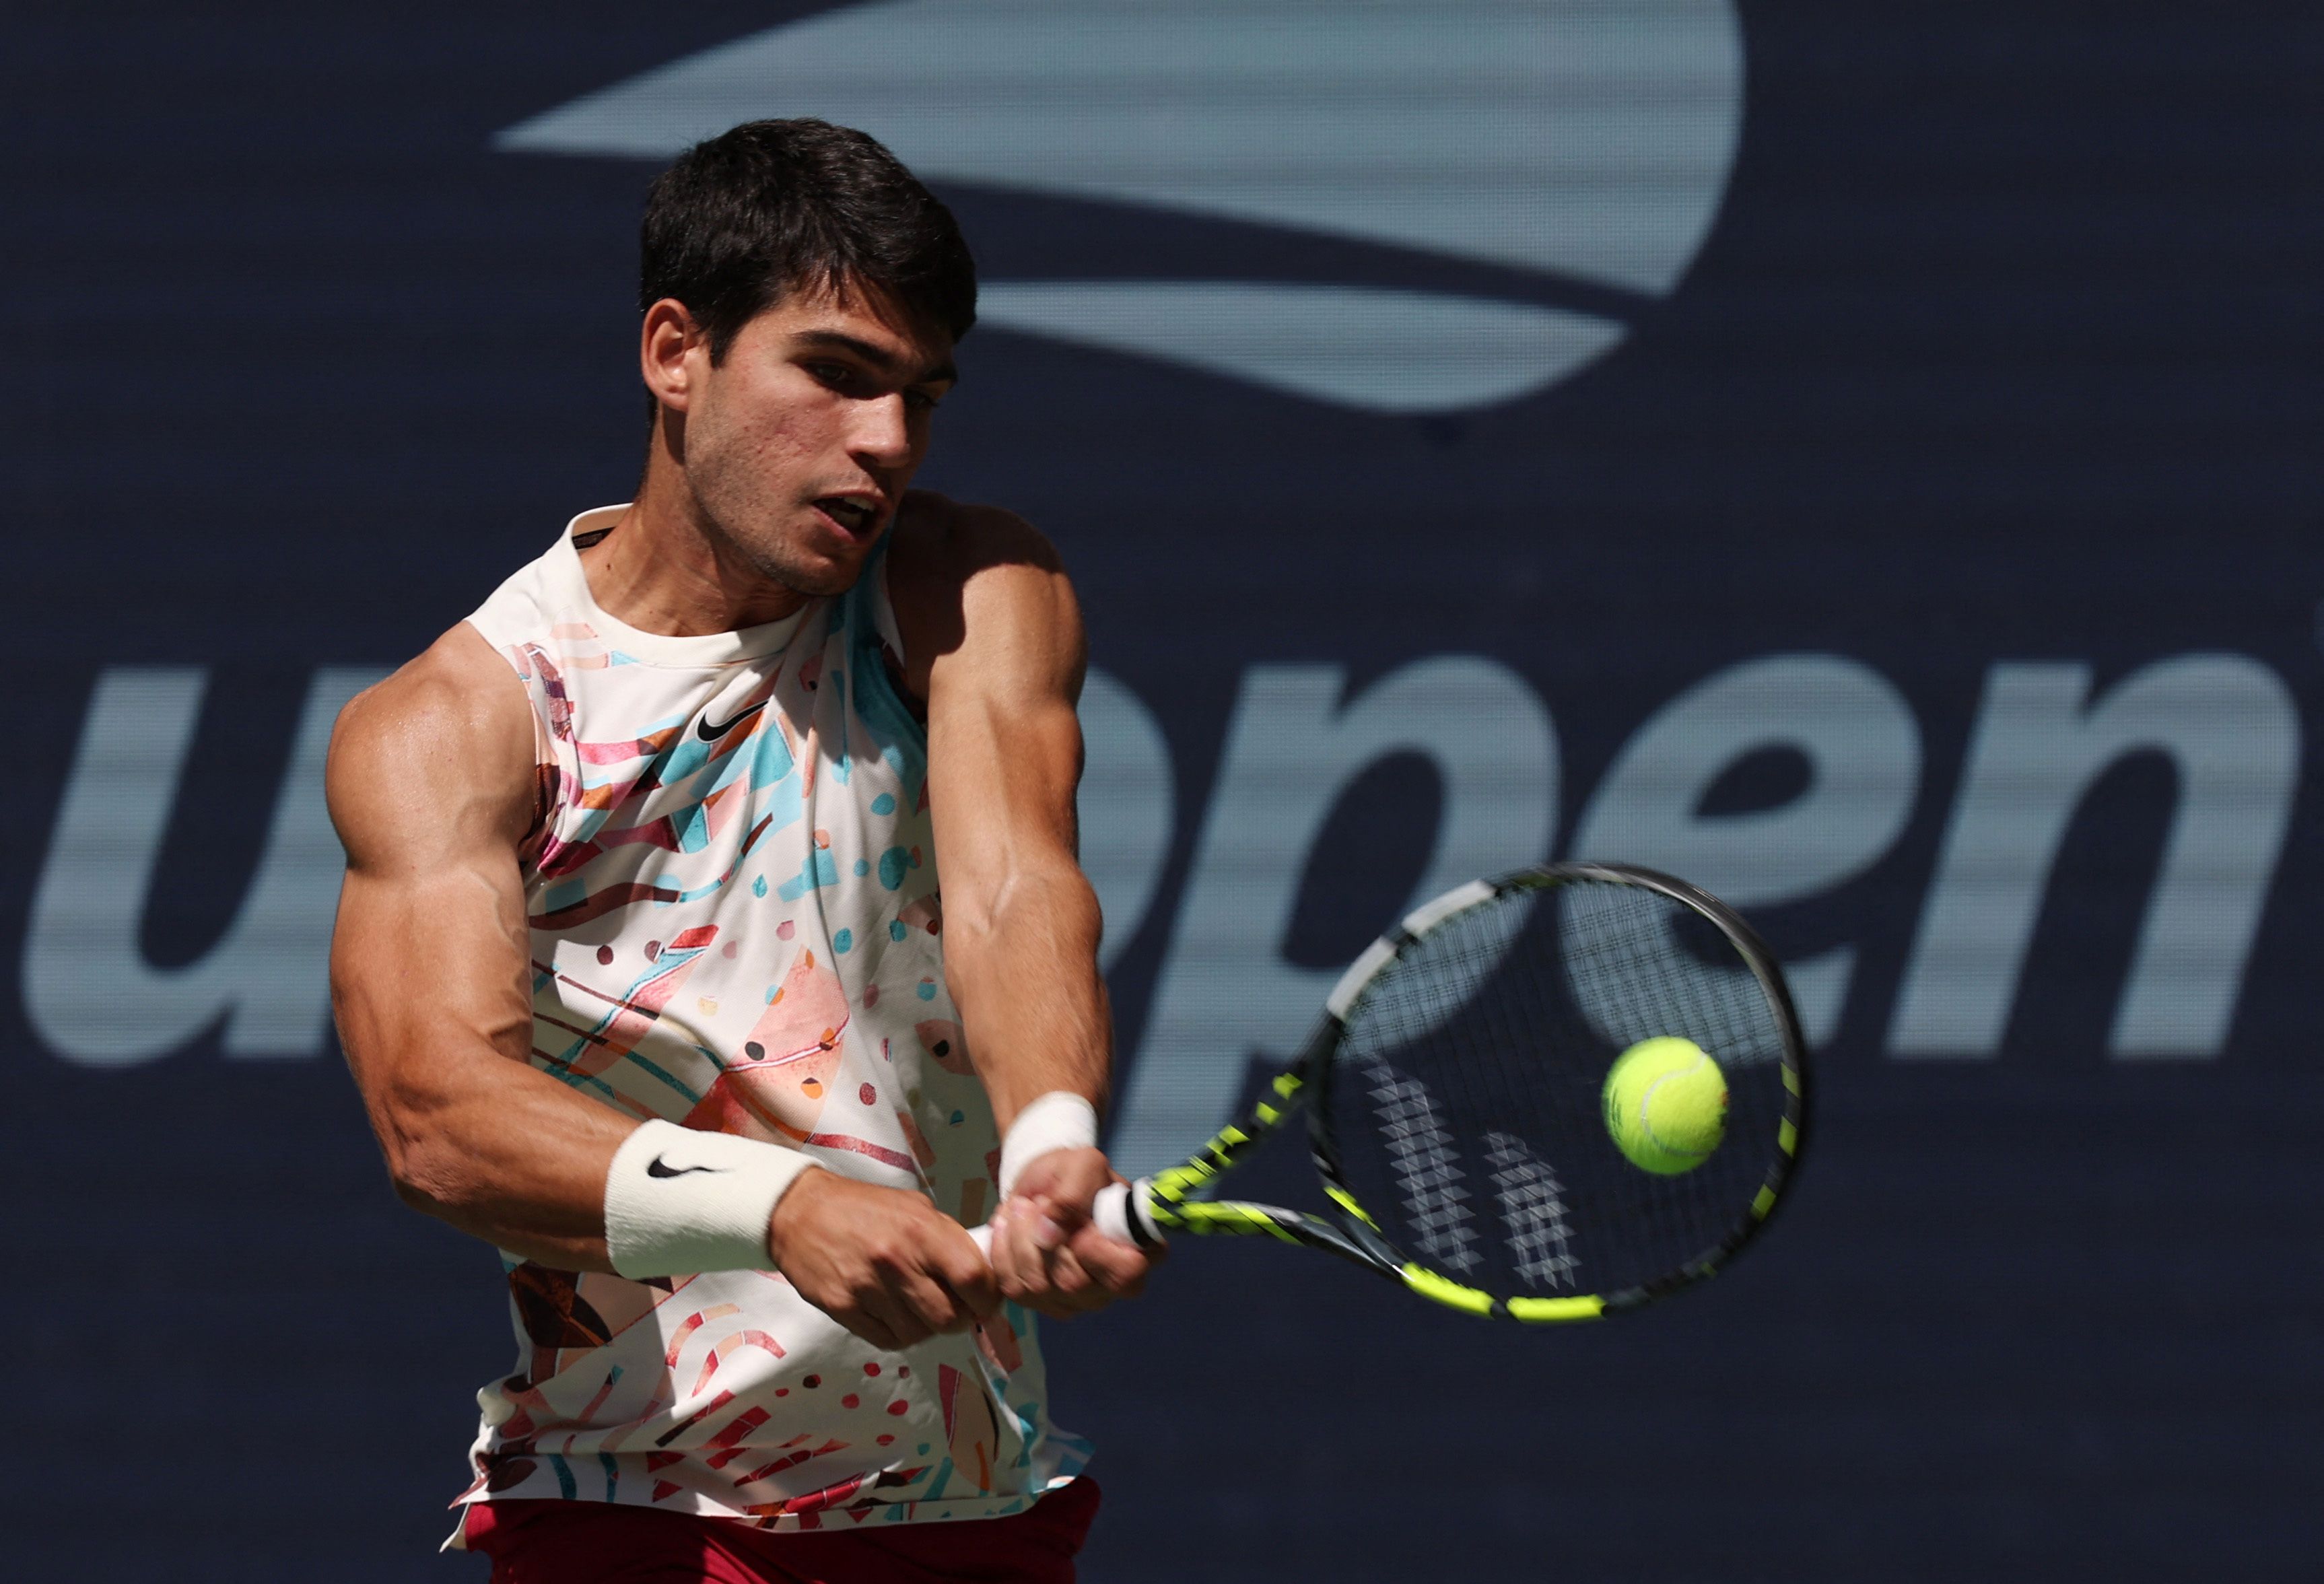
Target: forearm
1038, 1023
473, 1134
433, 790
1023, 972
510, 1155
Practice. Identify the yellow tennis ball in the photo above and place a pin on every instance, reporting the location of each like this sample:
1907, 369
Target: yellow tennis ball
1666, 1105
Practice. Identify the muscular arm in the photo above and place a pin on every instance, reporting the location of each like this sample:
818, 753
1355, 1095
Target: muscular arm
1004, 756
994, 638
431, 785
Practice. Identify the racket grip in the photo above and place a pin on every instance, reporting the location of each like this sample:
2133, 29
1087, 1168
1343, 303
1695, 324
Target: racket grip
1119, 1212
1111, 1211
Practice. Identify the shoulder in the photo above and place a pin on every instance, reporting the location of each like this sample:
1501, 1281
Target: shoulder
963, 578
457, 697
448, 736
940, 540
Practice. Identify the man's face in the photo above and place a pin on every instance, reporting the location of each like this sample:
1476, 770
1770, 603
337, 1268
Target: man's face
800, 443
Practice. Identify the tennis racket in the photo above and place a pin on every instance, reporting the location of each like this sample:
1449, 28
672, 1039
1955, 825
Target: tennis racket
1455, 1094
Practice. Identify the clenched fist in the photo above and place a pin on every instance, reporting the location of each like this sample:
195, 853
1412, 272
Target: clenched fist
884, 1262
1047, 1253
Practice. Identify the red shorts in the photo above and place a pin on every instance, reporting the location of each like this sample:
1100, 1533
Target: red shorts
604, 1542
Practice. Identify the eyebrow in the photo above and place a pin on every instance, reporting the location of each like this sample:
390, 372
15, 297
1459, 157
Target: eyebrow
878, 356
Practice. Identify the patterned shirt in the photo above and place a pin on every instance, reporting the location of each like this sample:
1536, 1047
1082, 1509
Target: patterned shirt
735, 926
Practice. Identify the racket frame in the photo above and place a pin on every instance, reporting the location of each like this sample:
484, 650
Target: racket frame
1177, 1198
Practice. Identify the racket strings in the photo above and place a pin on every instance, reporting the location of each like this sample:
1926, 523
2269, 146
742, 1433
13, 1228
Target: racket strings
1465, 1102
1638, 965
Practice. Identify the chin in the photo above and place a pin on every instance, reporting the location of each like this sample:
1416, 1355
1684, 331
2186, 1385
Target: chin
830, 585
796, 556
817, 577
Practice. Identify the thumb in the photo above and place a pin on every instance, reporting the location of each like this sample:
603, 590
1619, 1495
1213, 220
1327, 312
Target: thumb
1071, 1175
1061, 1188
963, 1267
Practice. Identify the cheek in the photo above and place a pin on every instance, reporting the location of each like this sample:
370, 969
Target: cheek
760, 448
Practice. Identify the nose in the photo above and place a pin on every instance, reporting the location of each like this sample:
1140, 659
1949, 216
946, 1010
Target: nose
882, 435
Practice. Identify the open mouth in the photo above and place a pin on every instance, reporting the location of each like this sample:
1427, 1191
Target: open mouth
853, 513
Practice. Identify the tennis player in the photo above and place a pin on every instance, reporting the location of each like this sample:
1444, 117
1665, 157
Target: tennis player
643, 966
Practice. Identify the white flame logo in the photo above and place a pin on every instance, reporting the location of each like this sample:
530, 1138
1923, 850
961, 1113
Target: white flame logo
1585, 142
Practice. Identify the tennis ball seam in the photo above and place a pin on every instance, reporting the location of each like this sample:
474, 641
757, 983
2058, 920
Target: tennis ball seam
1697, 1120
1647, 1106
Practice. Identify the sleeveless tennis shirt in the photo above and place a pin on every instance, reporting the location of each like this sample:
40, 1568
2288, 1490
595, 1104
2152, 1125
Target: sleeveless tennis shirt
735, 926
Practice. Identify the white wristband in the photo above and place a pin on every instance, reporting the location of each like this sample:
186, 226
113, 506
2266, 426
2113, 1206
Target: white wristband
1059, 1120
679, 1201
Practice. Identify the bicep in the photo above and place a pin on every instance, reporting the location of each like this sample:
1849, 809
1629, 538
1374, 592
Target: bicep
429, 783
431, 945
1005, 744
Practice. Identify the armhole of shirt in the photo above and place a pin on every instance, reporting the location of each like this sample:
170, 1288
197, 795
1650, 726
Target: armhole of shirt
544, 747
883, 633
883, 610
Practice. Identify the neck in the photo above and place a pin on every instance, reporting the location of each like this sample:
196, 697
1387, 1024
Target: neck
667, 569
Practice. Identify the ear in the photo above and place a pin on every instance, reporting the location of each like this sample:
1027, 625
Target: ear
668, 343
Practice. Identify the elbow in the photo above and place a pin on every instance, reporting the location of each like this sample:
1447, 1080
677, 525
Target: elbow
423, 1175
412, 1182
416, 1197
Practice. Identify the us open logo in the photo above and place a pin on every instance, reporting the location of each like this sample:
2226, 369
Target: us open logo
1559, 162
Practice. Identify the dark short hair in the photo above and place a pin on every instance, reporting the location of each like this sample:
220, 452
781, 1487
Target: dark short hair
772, 207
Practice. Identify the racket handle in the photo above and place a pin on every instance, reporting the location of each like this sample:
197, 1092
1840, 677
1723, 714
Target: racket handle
1112, 1212
1119, 1212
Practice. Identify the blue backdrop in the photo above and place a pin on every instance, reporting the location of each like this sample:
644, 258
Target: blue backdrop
1863, 458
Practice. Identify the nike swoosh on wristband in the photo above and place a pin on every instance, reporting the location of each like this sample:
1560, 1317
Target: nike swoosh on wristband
658, 1167
710, 734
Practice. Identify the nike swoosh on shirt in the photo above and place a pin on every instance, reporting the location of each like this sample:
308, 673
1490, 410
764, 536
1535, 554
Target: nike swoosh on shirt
658, 1167
710, 734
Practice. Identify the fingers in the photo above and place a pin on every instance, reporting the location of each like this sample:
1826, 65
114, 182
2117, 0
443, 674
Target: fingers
1057, 1272
933, 1280
883, 1263
872, 1327
893, 1269
924, 1307
905, 1309
1014, 1266
1064, 1287
1066, 1183
964, 1272
1022, 1235
1119, 1268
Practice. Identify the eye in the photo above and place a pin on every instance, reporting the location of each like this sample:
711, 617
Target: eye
835, 376
921, 401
